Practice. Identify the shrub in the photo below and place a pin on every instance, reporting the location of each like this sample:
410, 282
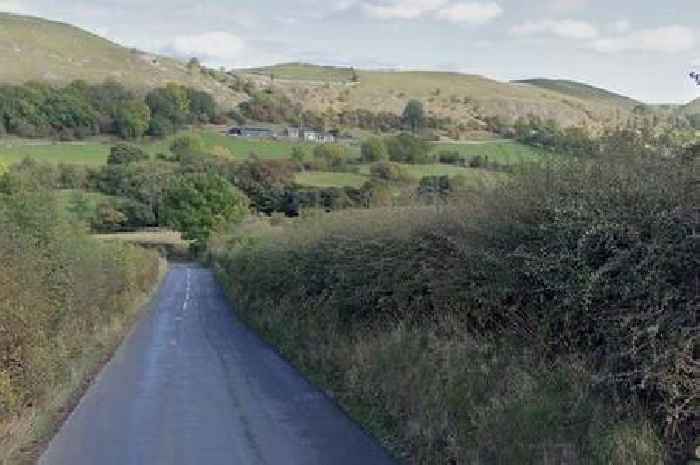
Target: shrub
581, 265
197, 203
187, 145
451, 157
126, 153
387, 171
61, 292
406, 148
373, 149
334, 155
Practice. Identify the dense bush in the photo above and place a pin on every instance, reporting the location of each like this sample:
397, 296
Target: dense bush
595, 262
121, 154
195, 204
452, 157
272, 108
64, 299
374, 149
387, 171
406, 148
333, 155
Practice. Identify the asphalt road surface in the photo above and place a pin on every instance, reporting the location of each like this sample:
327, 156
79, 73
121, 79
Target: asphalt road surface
192, 386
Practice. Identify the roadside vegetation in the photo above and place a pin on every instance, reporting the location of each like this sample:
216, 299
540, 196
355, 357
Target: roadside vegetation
65, 301
552, 316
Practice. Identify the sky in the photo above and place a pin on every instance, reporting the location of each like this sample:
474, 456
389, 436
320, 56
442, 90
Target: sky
641, 48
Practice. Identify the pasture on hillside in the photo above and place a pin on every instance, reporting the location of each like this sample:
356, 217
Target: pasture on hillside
89, 153
330, 179
502, 151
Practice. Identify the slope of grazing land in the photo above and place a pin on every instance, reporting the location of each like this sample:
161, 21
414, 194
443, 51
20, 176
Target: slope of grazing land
518, 327
330, 179
691, 108
81, 153
505, 152
464, 98
66, 300
42, 50
304, 72
582, 91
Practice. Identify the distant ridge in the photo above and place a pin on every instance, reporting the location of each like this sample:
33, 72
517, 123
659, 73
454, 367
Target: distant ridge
36, 49
581, 90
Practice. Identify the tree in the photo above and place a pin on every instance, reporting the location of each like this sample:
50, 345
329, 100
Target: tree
132, 119
195, 204
334, 155
298, 154
414, 115
374, 149
387, 171
407, 148
187, 146
125, 153
194, 64
202, 106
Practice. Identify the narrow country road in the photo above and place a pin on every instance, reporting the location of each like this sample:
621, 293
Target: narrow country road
192, 386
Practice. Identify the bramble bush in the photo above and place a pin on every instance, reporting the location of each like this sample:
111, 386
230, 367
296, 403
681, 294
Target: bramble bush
587, 269
59, 288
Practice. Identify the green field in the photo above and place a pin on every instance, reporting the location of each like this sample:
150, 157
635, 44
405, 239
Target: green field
93, 152
304, 72
88, 153
505, 152
327, 179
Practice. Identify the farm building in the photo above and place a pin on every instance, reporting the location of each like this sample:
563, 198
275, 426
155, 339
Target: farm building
253, 133
312, 135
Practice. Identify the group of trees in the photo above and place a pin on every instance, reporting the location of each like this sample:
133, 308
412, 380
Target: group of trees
403, 148
80, 110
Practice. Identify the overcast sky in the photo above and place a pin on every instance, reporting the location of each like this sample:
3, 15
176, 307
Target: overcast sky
642, 48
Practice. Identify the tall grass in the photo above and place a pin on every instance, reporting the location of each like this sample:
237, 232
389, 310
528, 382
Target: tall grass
552, 316
64, 298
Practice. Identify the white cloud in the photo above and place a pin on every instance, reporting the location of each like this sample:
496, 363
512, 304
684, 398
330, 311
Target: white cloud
463, 12
621, 26
669, 39
567, 6
12, 6
215, 47
565, 28
472, 12
402, 9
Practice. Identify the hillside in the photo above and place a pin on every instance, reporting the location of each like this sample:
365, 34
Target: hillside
691, 108
465, 98
38, 49
582, 91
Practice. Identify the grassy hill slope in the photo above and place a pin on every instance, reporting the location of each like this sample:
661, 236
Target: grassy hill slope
582, 91
465, 98
38, 49
691, 108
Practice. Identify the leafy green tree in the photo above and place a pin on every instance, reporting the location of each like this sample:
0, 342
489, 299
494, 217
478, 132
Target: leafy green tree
187, 146
334, 155
387, 171
414, 115
374, 149
298, 154
265, 182
122, 154
407, 148
197, 203
132, 119
202, 106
